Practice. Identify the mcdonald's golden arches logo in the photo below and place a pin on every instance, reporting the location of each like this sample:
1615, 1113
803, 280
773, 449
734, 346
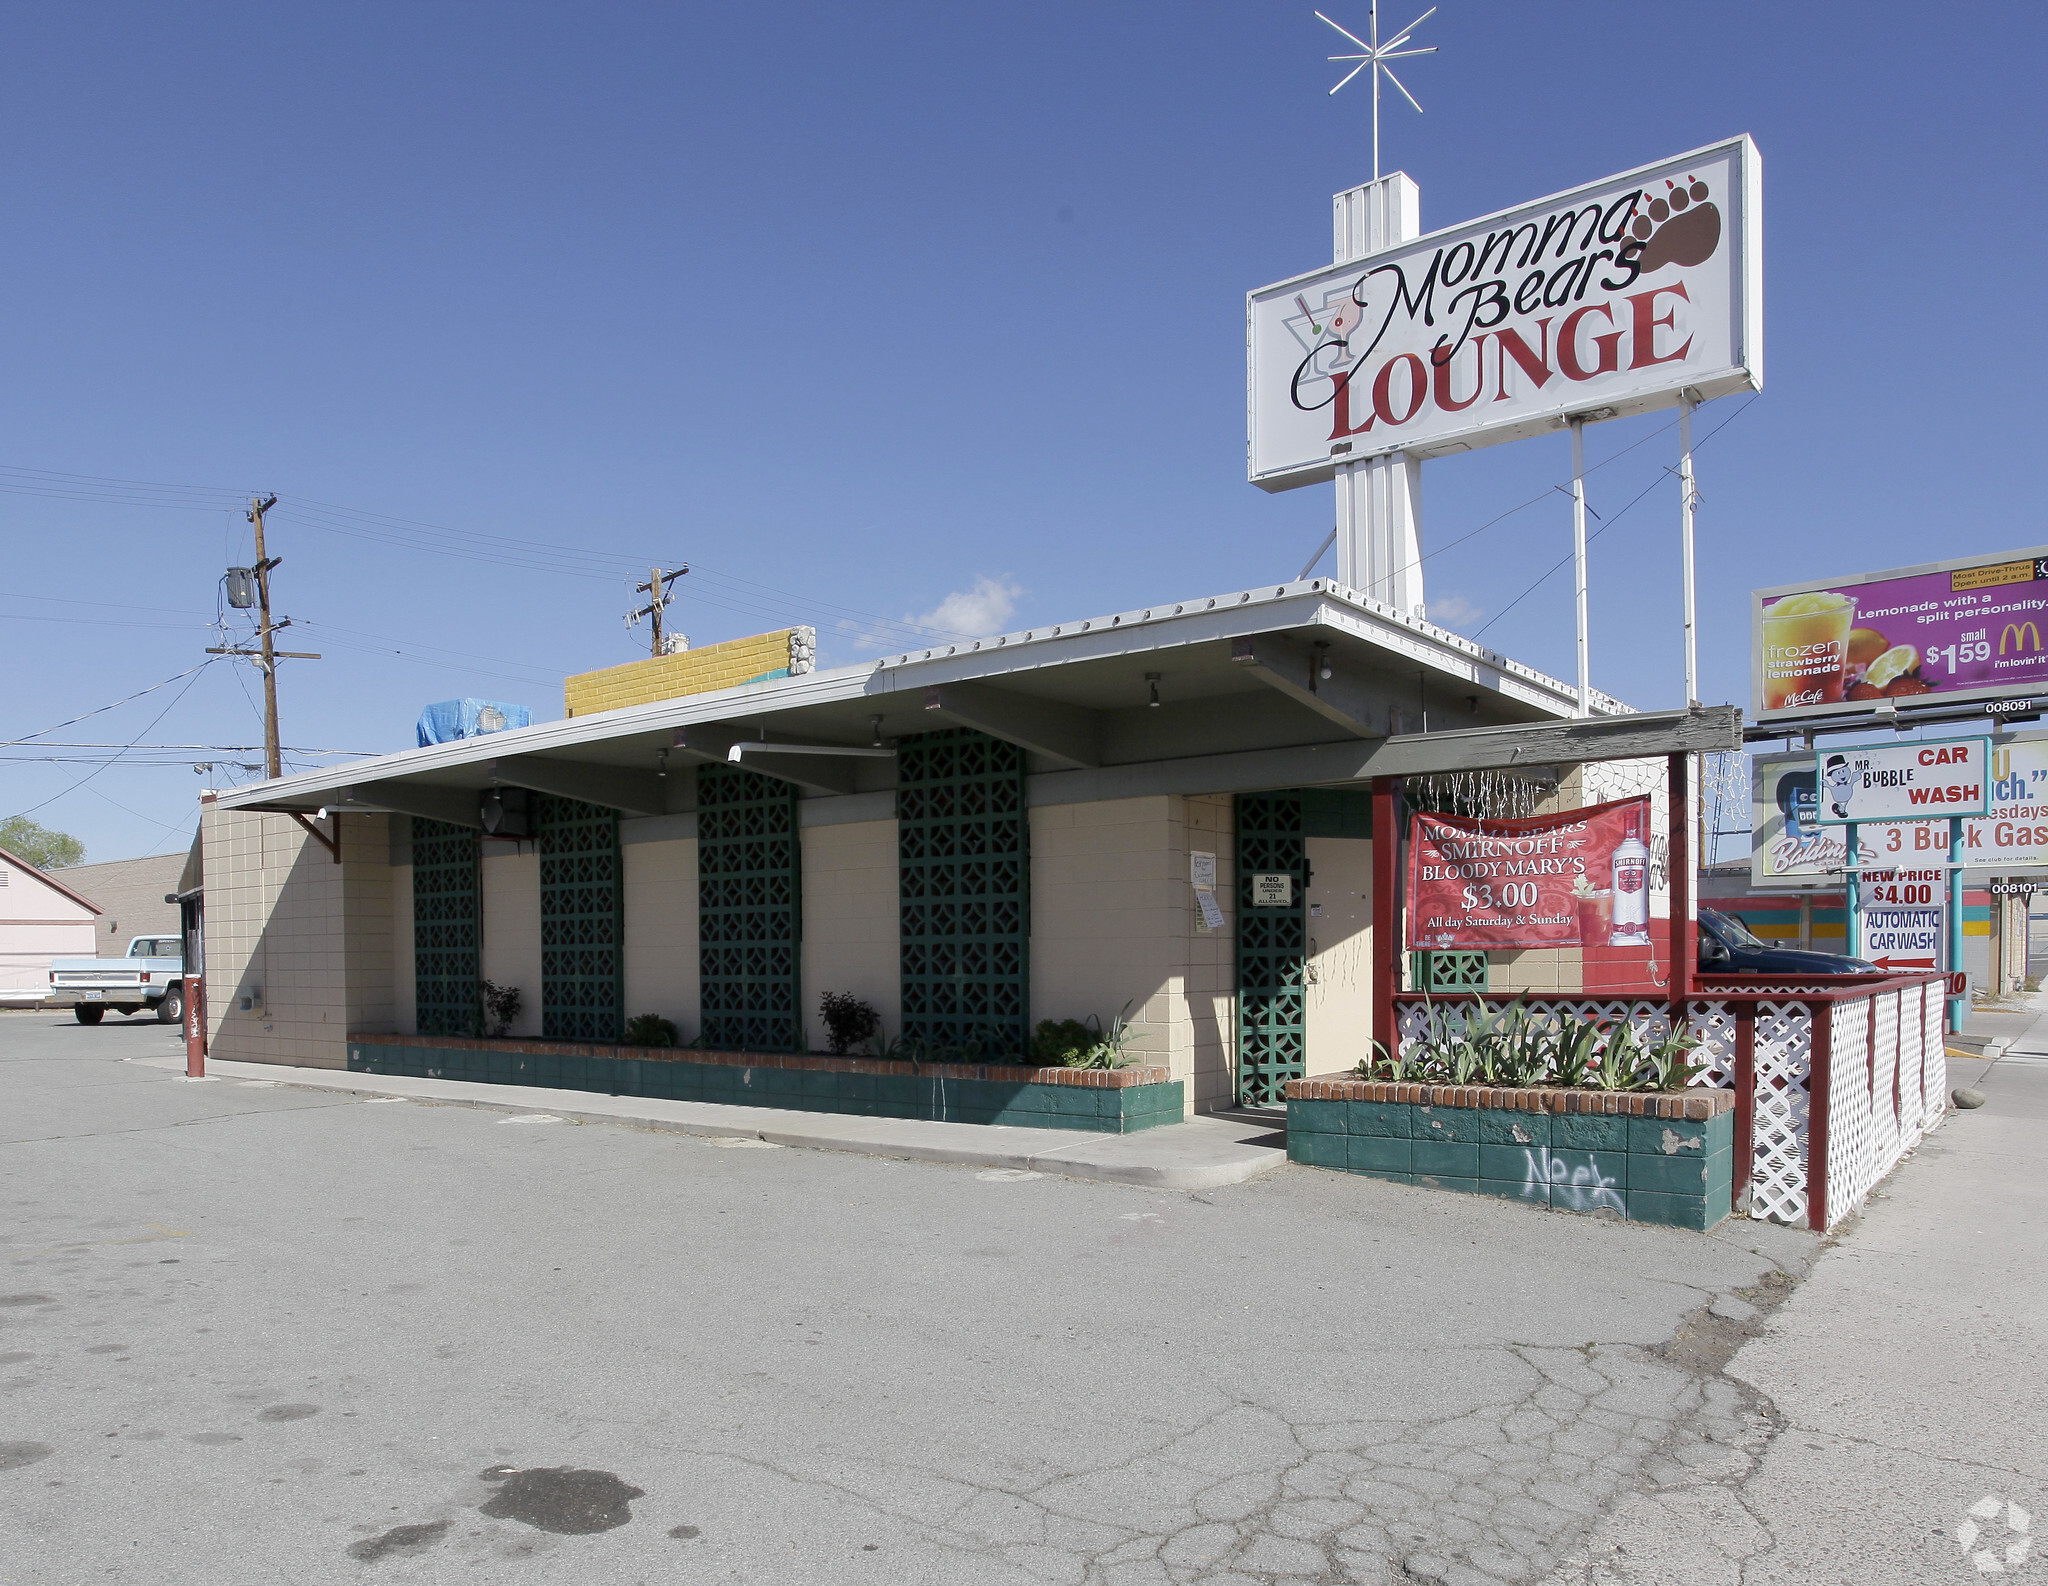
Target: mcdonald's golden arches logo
2019, 635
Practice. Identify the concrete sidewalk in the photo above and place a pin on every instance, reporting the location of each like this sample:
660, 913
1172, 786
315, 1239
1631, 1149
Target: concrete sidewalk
1898, 1392
1203, 1153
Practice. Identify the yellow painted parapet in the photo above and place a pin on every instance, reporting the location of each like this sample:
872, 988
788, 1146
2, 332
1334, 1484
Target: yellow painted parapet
787, 652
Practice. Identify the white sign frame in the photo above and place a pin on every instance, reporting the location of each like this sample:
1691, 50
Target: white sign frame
1289, 444
1876, 782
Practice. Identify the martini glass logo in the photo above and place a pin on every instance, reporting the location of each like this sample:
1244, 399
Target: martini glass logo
1323, 333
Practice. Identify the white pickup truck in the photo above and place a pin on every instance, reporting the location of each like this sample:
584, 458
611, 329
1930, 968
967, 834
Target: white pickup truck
151, 975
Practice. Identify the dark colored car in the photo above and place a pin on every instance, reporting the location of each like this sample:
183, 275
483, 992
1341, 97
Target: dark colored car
1728, 947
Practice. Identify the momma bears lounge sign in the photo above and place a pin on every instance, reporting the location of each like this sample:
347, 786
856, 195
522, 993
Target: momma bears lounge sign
1617, 295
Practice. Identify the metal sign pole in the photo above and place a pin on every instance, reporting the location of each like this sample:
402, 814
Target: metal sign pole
1852, 921
1685, 505
1958, 1007
1579, 561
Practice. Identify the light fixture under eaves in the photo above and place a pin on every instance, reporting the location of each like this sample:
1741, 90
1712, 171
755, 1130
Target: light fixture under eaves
1153, 679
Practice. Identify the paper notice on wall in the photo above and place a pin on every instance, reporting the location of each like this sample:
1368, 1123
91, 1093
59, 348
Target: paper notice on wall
1202, 872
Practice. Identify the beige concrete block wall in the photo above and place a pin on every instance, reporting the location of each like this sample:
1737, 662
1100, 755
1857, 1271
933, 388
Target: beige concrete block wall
404, 1001
661, 931
1550, 970
852, 927
369, 922
1114, 921
509, 909
279, 932
1339, 1003
1209, 824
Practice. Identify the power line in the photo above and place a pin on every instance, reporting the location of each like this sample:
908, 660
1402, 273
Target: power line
1609, 523
190, 677
102, 710
1544, 495
743, 597
218, 748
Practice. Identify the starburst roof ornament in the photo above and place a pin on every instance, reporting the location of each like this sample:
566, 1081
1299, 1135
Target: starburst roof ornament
1376, 56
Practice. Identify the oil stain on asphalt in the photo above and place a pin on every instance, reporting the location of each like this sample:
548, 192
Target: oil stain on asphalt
558, 1499
399, 1539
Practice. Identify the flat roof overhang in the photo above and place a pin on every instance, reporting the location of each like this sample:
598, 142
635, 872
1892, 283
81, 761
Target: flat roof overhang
1241, 694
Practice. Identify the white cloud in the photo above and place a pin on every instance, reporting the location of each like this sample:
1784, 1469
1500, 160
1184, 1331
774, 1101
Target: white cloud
1454, 611
976, 612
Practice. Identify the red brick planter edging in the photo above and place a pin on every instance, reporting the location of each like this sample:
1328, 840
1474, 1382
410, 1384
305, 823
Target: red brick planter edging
1004, 1073
1691, 1103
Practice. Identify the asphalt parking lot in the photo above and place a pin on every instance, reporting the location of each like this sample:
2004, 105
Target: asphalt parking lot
251, 1332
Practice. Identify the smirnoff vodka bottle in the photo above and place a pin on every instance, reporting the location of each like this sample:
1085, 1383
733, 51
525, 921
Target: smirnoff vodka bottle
1631, 887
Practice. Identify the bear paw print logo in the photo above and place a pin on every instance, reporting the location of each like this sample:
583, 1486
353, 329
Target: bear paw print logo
1682, 227
1992, 1558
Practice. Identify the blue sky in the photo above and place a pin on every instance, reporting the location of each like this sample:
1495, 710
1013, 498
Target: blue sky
898, 312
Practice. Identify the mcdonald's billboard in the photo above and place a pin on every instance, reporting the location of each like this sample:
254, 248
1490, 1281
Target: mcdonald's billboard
1972, 629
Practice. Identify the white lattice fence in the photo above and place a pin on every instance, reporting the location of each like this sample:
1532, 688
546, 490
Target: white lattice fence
1887, 1087
1448, 1016
1782, 1058
1887, 1076
1851, 1165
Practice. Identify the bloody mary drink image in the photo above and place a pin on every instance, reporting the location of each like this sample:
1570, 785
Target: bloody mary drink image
1806, 649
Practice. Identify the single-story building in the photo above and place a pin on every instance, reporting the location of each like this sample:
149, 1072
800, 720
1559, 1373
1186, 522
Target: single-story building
131, 895
41, 918
1064, 822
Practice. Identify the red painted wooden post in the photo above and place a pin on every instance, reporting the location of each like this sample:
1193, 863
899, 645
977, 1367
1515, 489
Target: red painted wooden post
1745, 1094
1818, 1074
1680, 864
195, 1027
1386, 910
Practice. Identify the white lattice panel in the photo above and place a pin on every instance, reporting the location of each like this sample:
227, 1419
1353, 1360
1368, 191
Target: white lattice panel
1934, 1059
1851, 1154
1713, 1026
1652, 1020
1784, 1072
1886, 1138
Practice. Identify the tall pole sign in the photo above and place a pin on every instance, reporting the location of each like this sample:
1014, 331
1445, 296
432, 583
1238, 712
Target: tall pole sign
1639, 292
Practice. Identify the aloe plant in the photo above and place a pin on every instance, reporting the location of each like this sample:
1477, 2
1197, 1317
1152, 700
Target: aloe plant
1528, 1050
1621, 1059
1671, 1066
1578, 1047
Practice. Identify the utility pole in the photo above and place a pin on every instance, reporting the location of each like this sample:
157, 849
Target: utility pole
267, 655
656, 587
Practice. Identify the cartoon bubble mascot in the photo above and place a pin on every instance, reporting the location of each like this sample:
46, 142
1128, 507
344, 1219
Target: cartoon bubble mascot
1841, 781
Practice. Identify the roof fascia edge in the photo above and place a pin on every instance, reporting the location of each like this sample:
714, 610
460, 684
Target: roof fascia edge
844, 683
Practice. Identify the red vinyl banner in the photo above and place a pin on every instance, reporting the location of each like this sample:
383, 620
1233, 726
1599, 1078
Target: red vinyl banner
1580, 878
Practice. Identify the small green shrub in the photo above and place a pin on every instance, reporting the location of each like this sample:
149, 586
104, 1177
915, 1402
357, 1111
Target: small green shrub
650, 1029
501, 1006
1057, 1040
1070, 1043
849, 1022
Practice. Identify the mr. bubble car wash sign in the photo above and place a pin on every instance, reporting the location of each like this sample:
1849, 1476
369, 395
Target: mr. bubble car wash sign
1904, 781
1617, 295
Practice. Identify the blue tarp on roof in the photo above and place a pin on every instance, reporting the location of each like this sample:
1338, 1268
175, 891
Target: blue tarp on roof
469, 718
